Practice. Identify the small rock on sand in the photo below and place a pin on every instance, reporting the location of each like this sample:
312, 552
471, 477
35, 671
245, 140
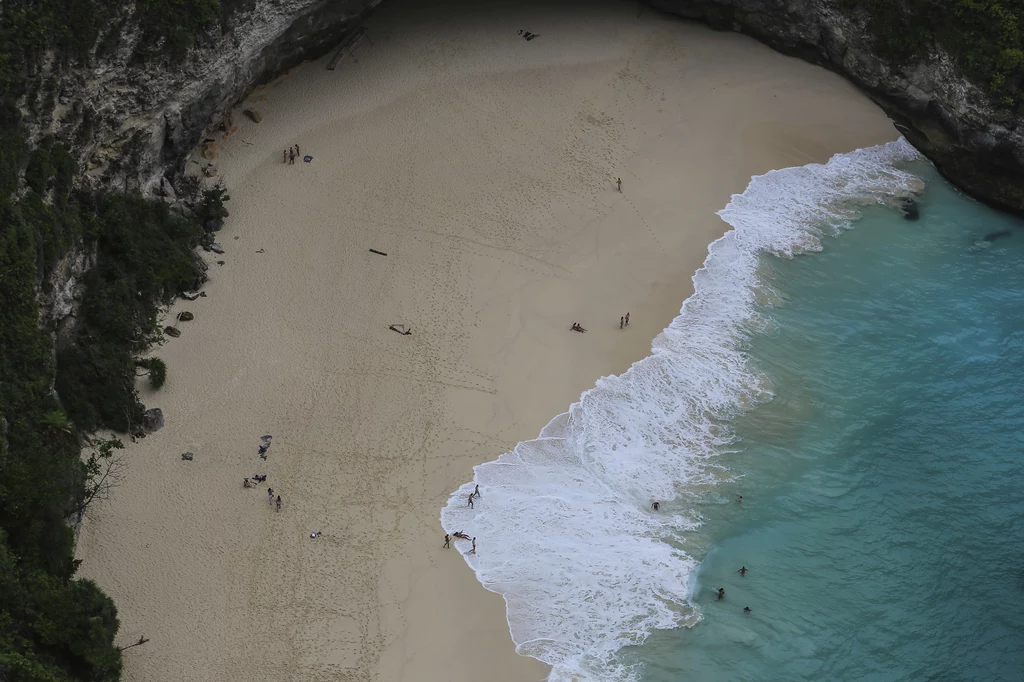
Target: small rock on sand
254, 115
152, 420
186, 316
172, 332
216, 248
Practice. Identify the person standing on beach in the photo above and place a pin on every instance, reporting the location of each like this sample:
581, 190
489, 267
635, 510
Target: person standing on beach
284, 156
476, 492
622, 321
291, 156
473, 551
618, 184
297, 152
447, 541
627, 319
471, 500
270, 495
278, 503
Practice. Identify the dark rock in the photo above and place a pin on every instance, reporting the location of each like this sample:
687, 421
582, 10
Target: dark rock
213, 224
253, 114
220, 262
186, 316
216, 248
910, 209
190, 295
992, 236
172, 332
152, 420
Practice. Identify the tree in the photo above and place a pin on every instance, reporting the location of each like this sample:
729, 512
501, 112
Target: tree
103, 471
154, 368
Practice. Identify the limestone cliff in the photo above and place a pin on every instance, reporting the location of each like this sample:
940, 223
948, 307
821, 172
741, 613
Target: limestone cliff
131, 123
978, 146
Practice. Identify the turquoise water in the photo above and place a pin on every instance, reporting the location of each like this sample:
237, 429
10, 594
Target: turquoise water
858, 387
882, 520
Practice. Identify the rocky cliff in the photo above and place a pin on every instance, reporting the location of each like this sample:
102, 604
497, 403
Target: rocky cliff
978, 146
132, 123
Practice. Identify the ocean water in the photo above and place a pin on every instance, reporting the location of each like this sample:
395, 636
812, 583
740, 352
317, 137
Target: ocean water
855, 377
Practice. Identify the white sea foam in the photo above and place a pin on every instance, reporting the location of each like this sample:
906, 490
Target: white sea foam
564, 529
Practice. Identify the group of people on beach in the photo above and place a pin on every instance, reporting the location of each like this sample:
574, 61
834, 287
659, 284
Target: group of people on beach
460, 535
290, 154
251, 481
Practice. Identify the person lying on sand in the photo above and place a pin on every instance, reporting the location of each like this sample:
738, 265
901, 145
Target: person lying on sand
259, 478
577, 328
404, 331
247, 483
461, 535
527, 35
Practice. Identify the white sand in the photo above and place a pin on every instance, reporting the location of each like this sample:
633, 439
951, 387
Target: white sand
484, 166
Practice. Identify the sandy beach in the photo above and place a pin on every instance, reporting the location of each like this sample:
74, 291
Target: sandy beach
484, 166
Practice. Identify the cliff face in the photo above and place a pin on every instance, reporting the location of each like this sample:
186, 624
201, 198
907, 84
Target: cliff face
130, 124
976, 145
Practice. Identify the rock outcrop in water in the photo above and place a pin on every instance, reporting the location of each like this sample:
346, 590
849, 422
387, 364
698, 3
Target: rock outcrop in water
976, 144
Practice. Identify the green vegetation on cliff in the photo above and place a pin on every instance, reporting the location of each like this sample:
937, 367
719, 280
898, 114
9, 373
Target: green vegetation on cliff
77, 30
53, 626
985, 37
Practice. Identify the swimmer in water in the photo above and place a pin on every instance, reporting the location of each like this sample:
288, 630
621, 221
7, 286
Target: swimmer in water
746, 609
739, 499
742, 571
721, 593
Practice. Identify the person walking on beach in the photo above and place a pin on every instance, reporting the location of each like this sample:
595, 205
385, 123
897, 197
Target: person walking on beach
447, 541
721, 593
627, 319
278, 503
618, 184
622, 321
291, 156
476, 491
471, 500
270, 495
297, 152
742, 571
284, 156
473, 551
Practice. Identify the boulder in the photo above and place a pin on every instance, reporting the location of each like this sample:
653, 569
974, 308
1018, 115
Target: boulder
172, 332
186, 316
253, 114
152, 420
213, 224
909, 208
190, 295
216, 248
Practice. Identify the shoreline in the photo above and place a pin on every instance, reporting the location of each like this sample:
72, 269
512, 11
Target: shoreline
484, 168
